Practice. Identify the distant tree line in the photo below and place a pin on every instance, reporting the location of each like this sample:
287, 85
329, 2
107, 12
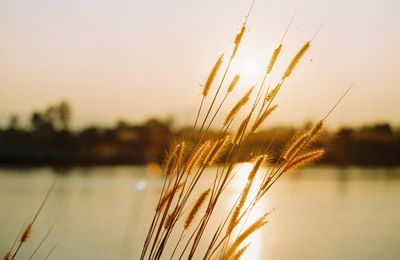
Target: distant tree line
48, 139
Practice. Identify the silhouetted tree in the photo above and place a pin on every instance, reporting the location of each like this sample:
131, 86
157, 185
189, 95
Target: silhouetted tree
64, 114
345, 132
54, 117
13, 123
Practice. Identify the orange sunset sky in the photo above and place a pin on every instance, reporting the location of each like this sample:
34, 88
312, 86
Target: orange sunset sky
138, 59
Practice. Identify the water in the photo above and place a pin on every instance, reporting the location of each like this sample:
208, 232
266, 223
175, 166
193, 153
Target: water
103, 213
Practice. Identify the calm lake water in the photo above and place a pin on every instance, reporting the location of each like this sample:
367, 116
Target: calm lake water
104, 212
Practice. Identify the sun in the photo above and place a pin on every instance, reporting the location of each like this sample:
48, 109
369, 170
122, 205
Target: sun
251, 69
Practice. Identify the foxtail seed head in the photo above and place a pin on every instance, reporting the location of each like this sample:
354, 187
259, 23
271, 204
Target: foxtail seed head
26, 233
304, 159
250, 230
274, 58
196, 207
296, 60
262, 118
212, 75
271, 95
233, 83
238, 106
238, 39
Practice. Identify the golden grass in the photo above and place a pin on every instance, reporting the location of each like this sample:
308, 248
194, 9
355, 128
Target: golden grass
296, 60
218, 150
238, 39
26, 233
250, 230
242, 101
212, 75
304, 159
271, 95
274, 58
185, 168
240, 252
7, 256
186, 164
167, 196
260, 120
200, 201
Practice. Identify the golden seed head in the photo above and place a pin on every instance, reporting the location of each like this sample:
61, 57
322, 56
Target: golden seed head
196, 207
271, 95
295, 146
238, 39
274, 58
167, 196
198, 156
251, 229
239, 36
168, 221
218, 150
240, 252
262, 118
304, 159
240, 131
296, 60
259, 161
242, 101
26, 233
212, 75
7, 256
233, 83
180, 151
316, 129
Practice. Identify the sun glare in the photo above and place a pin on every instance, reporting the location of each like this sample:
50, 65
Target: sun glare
251, 69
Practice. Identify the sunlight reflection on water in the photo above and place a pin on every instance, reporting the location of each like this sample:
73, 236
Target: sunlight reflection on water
104, 212
255, 249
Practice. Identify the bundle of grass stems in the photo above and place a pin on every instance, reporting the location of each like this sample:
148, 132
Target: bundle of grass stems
182, 213
25, 233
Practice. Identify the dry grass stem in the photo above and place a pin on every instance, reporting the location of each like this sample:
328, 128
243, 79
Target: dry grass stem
218, 150
188, 164
198, 156
171, 164
169, 221
240, 131
316, 129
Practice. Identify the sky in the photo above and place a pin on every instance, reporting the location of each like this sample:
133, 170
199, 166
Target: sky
138, 59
